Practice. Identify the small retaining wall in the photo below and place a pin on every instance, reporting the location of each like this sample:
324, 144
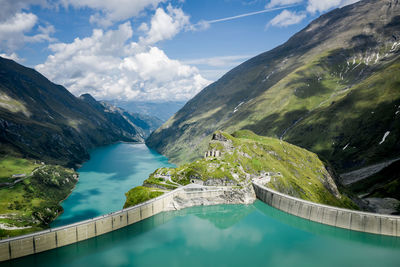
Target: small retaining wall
343, 218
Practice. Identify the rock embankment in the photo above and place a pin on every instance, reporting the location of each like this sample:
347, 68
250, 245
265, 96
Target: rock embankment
198, 195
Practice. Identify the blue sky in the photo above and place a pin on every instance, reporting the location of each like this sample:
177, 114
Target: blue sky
147, 49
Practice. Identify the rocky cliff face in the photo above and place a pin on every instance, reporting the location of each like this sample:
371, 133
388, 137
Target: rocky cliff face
42, 120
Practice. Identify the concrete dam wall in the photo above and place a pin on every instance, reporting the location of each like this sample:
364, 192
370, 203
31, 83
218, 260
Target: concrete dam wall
342, 218
194, 195
61, 236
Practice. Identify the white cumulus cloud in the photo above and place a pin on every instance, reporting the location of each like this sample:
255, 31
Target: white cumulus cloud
110, 66
16, 24
165, 25
14, 31
111, 11
10, 7
286, 18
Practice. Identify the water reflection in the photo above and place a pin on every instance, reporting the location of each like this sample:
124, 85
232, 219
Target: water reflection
326, 230
225, 235
106, 177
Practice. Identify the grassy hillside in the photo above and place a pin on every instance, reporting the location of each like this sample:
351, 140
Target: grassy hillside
244, 156
33, 203
42, 120
140, 194
333, 88
10, 165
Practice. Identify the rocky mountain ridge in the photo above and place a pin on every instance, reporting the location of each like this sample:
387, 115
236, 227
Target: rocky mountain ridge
42, 120
332, 88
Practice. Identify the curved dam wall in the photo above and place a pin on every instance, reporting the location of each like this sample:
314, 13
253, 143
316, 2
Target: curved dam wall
61, 236
342, 218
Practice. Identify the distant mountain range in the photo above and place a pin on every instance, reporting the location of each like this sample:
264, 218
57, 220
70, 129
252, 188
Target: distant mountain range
162, 110
42, 120
333, 88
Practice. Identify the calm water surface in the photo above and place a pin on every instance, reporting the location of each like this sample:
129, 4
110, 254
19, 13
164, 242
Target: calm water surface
106, 177
223, 235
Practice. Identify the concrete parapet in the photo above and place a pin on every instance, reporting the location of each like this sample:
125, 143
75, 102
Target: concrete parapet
158, 206
316, 214
398, 227
276, 201
86, 231
66, 236
4, 251
104, 225
343, 219
357, 222
269, 197
372, 224
167, 202
119, 220
146, 211
284, 204
45, 242
388, 226
329, 215
305, 210
295, 208
134, 215
21, 247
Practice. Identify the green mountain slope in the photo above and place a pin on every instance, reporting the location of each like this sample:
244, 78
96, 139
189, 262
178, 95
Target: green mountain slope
333, 88
42, 120
43, 126
244, 156
340, 71
32, 203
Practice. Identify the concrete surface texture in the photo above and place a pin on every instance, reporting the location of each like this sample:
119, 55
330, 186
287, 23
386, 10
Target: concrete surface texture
61, 236
193, 195
343, 218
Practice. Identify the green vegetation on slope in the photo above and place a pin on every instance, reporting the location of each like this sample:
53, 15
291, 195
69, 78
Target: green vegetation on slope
33, 203
11, 165
44, 121
244, 155
348, 132
333, 88
140, 194
270, 92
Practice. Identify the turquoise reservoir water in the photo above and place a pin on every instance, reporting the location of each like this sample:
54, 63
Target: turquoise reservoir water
106, 177
223, 235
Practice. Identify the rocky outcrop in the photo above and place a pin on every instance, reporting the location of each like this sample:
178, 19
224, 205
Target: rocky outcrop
219, 137
196, 195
